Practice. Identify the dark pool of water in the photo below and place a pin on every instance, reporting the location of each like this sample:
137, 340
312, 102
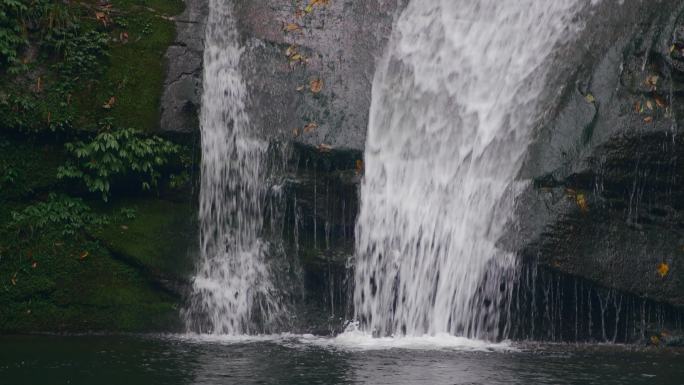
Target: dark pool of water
130, 360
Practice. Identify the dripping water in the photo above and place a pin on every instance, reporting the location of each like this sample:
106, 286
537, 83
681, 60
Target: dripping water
232, 291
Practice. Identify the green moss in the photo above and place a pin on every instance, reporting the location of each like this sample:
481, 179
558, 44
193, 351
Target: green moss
135, 72
54, 284
158, 239
30, 167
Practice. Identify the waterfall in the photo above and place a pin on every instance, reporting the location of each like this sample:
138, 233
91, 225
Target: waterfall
232, 291
454, 102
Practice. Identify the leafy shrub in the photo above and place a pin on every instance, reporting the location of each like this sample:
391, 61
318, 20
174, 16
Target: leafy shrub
11, 32
28, 113
118, 154
82, 52
71, 214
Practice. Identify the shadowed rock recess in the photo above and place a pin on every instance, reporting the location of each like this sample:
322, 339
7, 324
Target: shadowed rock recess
598, 227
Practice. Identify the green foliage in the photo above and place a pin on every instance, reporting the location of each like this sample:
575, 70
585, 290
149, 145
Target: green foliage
11, 32
82, 51
8, 174
28, 113
118, 154
69, 214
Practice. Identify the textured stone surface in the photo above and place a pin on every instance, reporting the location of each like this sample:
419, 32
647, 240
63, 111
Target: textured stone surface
341, 42
605, 204
592, 145
183, 85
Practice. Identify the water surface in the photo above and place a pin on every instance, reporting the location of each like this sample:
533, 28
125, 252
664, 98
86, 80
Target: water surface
130, 360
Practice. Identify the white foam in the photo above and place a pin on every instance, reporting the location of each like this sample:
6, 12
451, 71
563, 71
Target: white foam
352, 340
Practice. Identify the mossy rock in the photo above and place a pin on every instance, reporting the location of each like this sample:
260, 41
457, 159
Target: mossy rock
27, 167
134, 74
160, 239
52, 284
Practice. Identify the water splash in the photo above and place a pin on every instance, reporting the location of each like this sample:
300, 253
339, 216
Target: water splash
454, 102
232, 291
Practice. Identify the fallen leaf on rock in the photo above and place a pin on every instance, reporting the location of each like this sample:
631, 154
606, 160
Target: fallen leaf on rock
660, 102
309, 8
582, 202
110, 103
655, 340
292, 27
310, 127
648, 119
324, 147
300, 88
291, 50
590, 98
663, 269
672, 48
297, 58
652, 81
101, 17
649, 105
295, 132
359, 167
316, 85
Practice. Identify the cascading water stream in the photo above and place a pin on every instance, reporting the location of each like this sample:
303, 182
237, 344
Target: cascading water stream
454, 103
232, 291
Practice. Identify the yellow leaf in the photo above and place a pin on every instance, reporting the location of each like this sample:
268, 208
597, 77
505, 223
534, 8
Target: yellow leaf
13, 280
663, 269
310, 127
291, 50
308, 9
110, 103
359, 167
590, 98
292, 27
652, 81
296, 57
582, 202
672, 48
316, 85
655, 340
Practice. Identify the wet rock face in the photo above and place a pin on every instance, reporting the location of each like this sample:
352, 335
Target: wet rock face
606, 202
181, 99
336, 44
606, 199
